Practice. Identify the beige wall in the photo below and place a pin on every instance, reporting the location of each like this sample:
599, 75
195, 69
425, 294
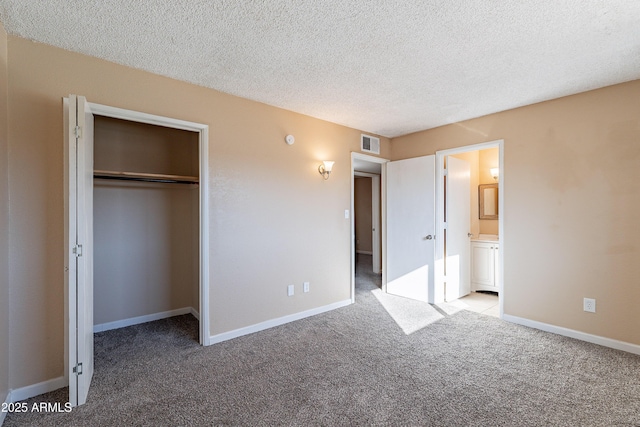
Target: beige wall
487, 159
145, 234
363, 222
274, 220
4, 223
572, 199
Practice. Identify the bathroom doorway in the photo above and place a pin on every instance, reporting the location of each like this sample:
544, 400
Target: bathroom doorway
472, 243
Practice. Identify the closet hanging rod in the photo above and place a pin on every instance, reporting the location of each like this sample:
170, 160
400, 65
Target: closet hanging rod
145, 177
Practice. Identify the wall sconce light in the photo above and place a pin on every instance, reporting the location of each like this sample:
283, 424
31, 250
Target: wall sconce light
495, 172
325, 168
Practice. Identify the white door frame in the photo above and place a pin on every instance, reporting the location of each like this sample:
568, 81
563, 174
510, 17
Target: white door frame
440, 198
383, 217
203, 152
375, 218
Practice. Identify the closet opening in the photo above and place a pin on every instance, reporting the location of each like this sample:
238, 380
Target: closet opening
149, 179
146, 223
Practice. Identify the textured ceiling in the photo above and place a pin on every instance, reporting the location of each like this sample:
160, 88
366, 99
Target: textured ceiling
386, 67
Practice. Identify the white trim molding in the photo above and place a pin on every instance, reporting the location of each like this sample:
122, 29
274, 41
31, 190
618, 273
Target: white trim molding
571, 333
32, 390
144, 319
225, 336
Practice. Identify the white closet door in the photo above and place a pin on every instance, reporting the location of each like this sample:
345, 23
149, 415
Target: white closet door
457, 259
79, 245
410, 207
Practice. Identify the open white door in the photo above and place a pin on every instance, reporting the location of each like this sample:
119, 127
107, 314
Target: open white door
78, 155
410, 230
375, 221
458, 221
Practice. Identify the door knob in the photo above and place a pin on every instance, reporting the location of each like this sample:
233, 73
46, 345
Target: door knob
428, 237
469, 235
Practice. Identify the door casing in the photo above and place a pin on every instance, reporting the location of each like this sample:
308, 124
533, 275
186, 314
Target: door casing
352, 233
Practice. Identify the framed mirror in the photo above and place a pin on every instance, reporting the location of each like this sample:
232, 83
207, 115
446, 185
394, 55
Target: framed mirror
488, 198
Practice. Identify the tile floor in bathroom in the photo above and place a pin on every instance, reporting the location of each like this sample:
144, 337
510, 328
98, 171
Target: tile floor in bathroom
482, 302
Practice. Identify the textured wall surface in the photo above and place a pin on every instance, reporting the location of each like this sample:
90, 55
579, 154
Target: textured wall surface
572, 200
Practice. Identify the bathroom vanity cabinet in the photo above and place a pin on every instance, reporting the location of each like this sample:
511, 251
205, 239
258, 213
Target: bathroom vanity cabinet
484, 265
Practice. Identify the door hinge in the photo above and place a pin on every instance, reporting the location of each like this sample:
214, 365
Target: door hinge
78, 369
77, 132
77, 250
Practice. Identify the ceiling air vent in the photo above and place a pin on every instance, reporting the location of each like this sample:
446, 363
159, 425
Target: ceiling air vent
369, 144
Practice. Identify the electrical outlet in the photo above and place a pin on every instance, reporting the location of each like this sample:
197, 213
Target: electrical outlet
305, 287
290, 290
590, 305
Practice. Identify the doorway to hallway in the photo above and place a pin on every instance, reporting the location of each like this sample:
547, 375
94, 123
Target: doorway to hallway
367, 223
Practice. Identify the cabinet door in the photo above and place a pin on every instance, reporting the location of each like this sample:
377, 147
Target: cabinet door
482, 264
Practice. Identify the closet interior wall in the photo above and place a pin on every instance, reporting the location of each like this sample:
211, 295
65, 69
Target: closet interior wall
146, 234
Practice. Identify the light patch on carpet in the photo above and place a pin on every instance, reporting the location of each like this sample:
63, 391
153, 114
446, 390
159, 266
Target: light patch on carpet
410, 315
453, 307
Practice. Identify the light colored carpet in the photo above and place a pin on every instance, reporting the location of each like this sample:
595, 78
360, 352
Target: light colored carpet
354, 366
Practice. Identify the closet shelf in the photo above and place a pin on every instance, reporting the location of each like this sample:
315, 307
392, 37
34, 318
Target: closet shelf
146, 177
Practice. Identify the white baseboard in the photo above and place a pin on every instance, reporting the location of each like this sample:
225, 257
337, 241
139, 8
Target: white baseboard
571, 333
194, 313
275, 322
23, 393
364, 252
143, 319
